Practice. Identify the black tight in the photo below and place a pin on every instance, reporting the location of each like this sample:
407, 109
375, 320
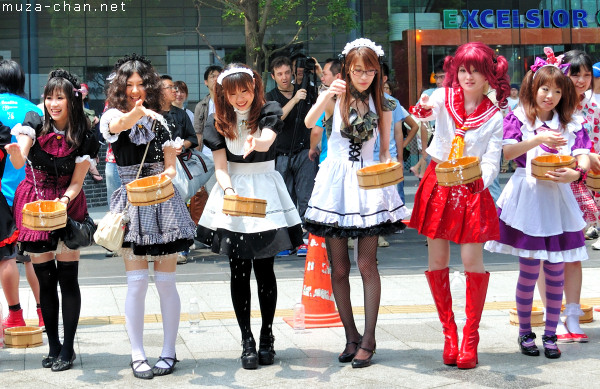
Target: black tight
240, 292
340, 272
49, 275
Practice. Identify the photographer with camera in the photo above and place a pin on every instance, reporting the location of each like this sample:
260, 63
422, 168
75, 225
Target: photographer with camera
293, 144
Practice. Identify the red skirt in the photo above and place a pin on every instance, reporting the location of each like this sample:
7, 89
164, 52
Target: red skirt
453, 212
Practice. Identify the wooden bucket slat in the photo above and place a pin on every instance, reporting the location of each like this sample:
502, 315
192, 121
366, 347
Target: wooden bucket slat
593, 181
459, 172
143, 191
53, 215
380, 175
244, 206
542, 164
22, 337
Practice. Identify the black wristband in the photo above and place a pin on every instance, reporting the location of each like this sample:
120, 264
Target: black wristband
68, 198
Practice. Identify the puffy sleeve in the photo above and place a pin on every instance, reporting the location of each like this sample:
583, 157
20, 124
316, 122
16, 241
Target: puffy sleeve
105, 120
490, 160
212, 139
512, 130
582, 144
31, 126
88, 151
270, 117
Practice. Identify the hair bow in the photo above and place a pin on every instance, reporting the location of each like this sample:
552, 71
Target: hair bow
550, 61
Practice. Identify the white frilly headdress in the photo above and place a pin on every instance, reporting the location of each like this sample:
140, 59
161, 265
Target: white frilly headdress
363, 42
234, 70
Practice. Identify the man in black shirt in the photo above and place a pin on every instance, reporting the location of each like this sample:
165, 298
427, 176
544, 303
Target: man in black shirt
179, 122
292, 145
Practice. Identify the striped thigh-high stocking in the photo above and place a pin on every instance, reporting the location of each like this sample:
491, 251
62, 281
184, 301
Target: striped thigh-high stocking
529, 270
555, 279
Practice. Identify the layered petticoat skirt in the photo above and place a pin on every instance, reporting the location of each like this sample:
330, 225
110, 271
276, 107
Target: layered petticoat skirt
453, 212
339, 208
155, 230
252, 237
539, 219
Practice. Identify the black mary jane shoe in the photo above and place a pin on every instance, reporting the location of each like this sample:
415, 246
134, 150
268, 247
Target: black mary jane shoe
531, 351
62, 365
266, 350
551, 353
358, 363
249, 356
165, 370
144, 375
48, 361
348, 357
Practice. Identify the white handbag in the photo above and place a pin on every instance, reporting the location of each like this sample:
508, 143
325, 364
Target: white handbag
111, 231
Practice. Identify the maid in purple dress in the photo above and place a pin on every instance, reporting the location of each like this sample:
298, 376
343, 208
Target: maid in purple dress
59, 151
540, 220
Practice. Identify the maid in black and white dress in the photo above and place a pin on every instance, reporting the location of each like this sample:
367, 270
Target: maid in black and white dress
241, 134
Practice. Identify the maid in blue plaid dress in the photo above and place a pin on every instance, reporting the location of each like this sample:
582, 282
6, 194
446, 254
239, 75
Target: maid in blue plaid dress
157, 231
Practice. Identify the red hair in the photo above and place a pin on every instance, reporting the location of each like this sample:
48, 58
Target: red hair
482, 58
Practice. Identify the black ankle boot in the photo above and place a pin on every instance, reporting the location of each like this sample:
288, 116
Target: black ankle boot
249, 355
266, 350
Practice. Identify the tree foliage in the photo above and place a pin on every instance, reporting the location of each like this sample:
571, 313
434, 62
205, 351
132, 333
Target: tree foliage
259, 16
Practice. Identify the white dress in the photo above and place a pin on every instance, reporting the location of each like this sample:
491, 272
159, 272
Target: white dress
338, 207
255, 177
538, 218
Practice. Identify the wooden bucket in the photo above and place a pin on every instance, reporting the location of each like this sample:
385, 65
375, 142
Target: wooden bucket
588, 313
593, 181
44, 215
150, 190
22, 337
234, 205
380, 175
537, 317
542, 164
458, 172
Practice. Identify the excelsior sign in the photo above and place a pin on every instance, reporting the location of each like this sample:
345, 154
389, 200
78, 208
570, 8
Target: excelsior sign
511, 18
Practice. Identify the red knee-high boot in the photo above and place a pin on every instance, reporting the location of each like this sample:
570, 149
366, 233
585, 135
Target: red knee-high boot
477, 284
439, 283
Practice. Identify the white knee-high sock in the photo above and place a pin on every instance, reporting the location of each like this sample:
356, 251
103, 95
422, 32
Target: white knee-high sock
170, 307
137, 286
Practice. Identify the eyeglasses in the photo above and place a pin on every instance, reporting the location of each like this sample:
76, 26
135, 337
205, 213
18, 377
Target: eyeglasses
439, 77
171, 87
360, 73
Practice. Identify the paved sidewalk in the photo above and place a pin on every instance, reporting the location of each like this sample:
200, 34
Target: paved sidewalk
409, 344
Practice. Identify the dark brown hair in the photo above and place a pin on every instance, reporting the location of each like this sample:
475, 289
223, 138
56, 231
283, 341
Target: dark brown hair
371, 61
225, 117
180, 85
548, 75
78, 123
117, 92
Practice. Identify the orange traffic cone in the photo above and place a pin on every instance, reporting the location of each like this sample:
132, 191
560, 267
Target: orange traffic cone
317, 295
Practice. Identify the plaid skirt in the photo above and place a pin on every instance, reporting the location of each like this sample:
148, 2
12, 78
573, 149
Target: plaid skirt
159, 229
586, 201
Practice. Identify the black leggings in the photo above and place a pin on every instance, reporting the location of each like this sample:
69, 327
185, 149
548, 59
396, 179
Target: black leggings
240, 292
49, 275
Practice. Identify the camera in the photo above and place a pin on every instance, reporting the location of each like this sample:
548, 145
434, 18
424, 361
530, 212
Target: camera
309, 80
306, 63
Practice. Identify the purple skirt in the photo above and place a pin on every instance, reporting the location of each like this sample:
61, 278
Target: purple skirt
49, 188
565, 247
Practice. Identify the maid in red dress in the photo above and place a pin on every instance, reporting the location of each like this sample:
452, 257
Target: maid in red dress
467, 123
